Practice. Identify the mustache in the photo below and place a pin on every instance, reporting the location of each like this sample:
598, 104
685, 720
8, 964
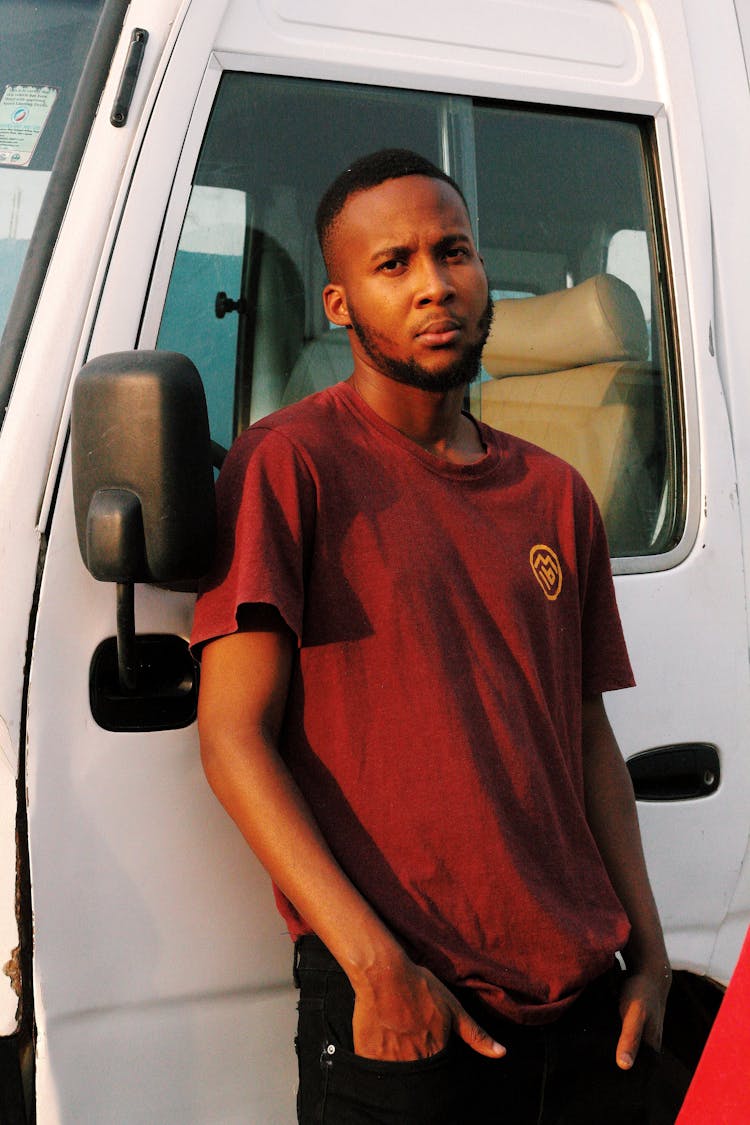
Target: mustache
484, 323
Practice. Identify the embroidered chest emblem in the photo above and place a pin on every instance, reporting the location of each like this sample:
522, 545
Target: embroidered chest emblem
547, 570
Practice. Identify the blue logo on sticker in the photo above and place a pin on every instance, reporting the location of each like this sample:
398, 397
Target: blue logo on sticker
20, 115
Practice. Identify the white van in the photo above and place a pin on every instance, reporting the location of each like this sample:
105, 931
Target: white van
160, 162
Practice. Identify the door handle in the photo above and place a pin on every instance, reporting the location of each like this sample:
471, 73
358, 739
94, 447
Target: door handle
682, 772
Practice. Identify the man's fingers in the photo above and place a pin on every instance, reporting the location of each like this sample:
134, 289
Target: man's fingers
629, 1042
475, 1036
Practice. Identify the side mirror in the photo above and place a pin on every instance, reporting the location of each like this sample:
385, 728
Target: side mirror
143, 481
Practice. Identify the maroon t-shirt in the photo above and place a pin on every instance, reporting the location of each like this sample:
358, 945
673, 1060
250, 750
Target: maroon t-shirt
450, 619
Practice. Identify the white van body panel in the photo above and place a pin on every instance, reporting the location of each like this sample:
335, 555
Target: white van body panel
726, 138
41, 387
8, 924
162, 984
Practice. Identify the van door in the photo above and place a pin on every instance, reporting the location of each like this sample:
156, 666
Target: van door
159, 955
573, 205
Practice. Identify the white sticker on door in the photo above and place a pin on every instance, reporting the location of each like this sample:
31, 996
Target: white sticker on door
24, 111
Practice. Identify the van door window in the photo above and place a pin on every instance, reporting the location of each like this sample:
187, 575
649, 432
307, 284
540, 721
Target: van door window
274, 143
579, 359
43, 49
200, 315
566, 212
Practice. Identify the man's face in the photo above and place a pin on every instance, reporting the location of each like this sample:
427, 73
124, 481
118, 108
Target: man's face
409, 282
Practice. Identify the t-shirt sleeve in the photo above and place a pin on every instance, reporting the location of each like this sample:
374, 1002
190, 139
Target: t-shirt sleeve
606, 665
266, 501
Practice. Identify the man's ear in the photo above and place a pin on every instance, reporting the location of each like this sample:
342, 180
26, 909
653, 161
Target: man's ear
334, 303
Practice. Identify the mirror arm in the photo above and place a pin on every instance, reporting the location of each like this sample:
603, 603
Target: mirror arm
127, 661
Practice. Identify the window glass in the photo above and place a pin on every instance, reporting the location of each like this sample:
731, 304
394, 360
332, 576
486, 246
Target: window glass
578, 359
198, 318
43, 47
565, 213
276, 143
628, 259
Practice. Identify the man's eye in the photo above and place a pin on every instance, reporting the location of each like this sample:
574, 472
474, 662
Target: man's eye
391, 264
456, 252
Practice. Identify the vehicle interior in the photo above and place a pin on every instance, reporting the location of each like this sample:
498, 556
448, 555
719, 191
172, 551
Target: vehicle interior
580, 359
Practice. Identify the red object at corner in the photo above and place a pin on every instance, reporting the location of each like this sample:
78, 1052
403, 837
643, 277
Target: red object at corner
720, 1090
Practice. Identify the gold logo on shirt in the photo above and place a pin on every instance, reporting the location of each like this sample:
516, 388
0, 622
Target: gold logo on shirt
547, 570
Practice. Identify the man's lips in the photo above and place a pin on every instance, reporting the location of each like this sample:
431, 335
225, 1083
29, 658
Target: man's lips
438, 333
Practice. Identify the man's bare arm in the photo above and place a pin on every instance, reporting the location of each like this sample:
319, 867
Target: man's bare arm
401, 1010
610, 808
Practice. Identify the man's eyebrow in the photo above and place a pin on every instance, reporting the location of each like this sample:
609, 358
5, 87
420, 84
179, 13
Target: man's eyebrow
387, 252
451, 239
443, 243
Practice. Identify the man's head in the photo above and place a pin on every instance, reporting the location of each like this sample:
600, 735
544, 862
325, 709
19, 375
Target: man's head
368, 172
405, 275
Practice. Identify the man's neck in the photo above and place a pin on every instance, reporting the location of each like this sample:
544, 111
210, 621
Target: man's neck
432, 420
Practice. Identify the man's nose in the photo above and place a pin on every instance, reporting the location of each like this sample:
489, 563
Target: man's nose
434, 283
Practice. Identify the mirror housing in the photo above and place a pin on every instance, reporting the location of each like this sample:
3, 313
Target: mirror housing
143, 481
143, 484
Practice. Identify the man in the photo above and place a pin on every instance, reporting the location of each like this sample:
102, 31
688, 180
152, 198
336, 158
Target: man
404, 645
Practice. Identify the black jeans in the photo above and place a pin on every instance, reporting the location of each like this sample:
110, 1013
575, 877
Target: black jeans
560, 1074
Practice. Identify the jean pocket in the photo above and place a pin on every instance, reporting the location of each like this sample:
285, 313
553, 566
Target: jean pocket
430, 1091
431, 1062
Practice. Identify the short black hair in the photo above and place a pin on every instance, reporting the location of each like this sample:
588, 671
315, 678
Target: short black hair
368, 172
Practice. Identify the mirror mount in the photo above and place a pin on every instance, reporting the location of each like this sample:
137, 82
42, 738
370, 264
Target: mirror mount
115, 550
127, 660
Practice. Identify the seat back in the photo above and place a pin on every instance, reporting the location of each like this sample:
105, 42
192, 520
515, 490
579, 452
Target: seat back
278, 330
322, 362
570, 373
326, 357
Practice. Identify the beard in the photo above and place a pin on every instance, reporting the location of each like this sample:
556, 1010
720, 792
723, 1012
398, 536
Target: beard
462, 371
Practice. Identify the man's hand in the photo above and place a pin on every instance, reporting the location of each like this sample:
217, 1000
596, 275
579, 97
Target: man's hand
642, 1003
404, 1012
611, 813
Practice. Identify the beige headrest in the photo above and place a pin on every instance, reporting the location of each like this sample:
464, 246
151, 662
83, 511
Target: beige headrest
598, 321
